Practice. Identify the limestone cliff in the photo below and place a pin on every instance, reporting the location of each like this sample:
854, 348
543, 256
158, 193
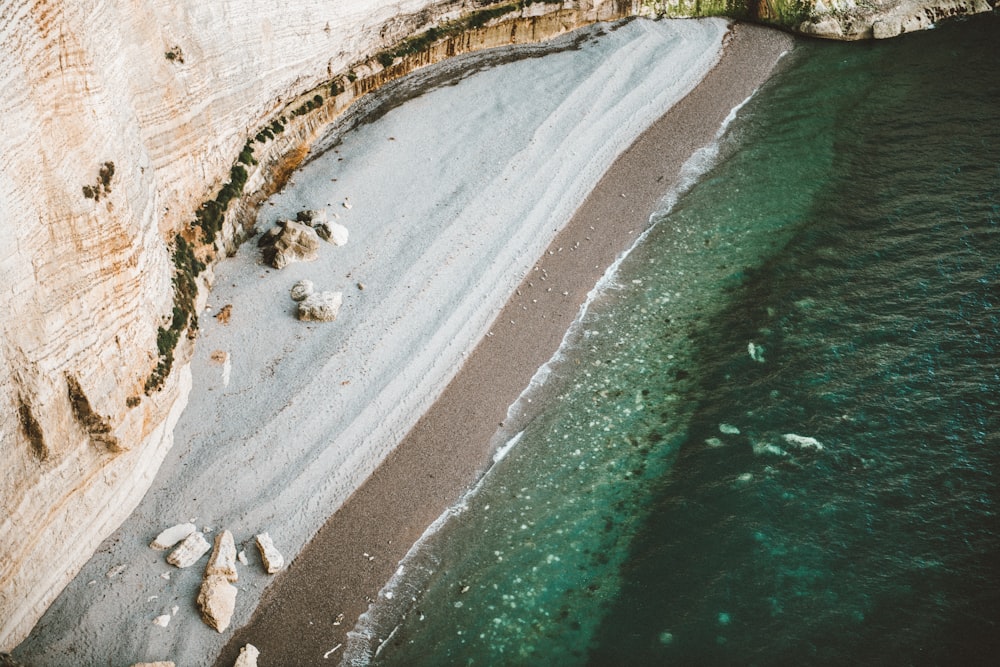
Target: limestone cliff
138, 138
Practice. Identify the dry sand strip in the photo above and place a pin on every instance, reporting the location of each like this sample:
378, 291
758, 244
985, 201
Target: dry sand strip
310, 608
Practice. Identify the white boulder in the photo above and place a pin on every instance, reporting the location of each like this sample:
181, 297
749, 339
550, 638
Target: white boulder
321, 306
190, 550
273, 560
248, 656
334, 232
172, 536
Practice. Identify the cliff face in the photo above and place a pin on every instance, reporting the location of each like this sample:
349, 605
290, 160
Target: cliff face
124, 119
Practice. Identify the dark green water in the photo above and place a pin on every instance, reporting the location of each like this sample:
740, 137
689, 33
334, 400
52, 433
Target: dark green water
836, 277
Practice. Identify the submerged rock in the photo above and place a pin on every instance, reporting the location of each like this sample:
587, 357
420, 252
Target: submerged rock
172, 536
248, 656
190, 550
321, 306
273, 560
223, 559
803, 442
217, 601
294, 242
756, 352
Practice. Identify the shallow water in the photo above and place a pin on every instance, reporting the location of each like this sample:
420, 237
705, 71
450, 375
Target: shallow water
774, 439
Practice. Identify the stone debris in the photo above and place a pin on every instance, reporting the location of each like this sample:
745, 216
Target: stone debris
302, 289
273, 560
162, 621
248, 656
164, 663
223, 559
115, 571
803, 441
172, 536
190, 550
224, 313
217, 601
729, 429
242, 557
756, 352
293, 242
347, 205
321, 306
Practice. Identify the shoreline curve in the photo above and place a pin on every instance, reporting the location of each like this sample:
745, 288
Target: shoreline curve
451, 444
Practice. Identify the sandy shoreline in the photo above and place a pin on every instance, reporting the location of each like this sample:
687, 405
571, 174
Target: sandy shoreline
309, 609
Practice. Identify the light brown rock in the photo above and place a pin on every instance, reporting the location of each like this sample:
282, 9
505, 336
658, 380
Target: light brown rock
297, 242
222, 562
273, 560
217, 601
190, 550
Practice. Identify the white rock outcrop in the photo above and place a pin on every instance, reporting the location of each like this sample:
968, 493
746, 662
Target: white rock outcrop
273, 560
172, 536
189, 551
321, 306
248, 656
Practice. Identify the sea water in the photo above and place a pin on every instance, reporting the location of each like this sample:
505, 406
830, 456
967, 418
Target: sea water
773, 436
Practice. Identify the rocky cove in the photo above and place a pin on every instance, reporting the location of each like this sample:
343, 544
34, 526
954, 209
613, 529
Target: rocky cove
139, 148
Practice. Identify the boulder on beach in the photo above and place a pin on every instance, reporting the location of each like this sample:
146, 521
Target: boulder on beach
172, 536
302, 289
217, 601
248, 656
222, 562
321, 306
333, 232
190, 550
273, 560
293, 242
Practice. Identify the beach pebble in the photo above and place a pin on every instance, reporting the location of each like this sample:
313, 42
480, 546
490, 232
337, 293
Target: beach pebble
162, 663
242, 557
273, 560
248, 656
162, 621
321, 306
190, 550
302, 289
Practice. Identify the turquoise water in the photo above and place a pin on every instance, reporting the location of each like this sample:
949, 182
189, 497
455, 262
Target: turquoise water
773, 440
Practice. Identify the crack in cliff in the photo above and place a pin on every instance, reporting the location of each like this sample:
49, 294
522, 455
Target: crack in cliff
98, 428
32, 430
